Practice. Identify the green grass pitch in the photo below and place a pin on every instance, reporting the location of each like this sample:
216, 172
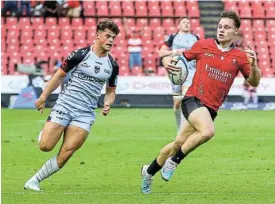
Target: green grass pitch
236, 166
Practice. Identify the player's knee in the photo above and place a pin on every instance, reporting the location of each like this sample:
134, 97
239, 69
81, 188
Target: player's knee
177, 104
208, 133
178, 142
45, 147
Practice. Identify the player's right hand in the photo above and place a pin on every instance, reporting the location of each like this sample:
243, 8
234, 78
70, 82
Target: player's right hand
169, 64
40, 104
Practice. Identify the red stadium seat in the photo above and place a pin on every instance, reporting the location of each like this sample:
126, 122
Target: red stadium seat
230, 5
124, 71
52, 35
141, 8
117, 21
180, 9
245, 12
102, 8
199, 31
54, 42
76, 22
115, 9
130, 22
258, 23
24, 21
167, 22
141, 22
50, 21
155, 22
137, 71
90, 23
36, 21
64, 22
79, 35
257, 9
66, 34
11, 21
194, 23
128, 10
147, 34
154, 10
89, 8
166, 8
12, 34
270, 12
39, 34
193, 12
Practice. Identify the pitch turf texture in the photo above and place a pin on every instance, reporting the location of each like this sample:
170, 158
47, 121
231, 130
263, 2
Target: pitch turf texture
236, 166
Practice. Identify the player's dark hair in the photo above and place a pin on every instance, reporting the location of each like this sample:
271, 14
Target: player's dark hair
183, 17
107, 24
232, 15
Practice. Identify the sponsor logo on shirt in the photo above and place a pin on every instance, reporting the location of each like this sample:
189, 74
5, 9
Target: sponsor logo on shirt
217, 74
85, 65
97, 69
90, 78
98, 63
209, 54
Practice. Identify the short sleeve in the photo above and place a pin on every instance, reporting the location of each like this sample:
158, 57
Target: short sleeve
169, 41
112, 81
244, 67
194, 52
73, 59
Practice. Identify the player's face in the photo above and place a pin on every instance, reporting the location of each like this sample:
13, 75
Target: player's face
184, 25
106, 39
226, 30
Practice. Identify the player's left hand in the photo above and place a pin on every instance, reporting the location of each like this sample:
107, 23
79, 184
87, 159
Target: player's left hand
251, 54
168, 63
105, 110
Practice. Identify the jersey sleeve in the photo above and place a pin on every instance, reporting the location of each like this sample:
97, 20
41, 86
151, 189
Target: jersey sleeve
169, 41
73, 59
112, 81
244, 67
193, 53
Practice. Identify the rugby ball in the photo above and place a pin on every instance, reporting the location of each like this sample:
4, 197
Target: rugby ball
180, 76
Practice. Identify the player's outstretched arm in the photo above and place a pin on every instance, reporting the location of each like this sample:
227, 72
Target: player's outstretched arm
165, 51
109, 99
53, 84
255, 72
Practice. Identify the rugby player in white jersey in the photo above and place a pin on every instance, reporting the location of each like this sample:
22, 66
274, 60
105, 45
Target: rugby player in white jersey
74, 111
175, 44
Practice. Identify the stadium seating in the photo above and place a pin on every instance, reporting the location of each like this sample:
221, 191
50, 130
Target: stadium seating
52, 38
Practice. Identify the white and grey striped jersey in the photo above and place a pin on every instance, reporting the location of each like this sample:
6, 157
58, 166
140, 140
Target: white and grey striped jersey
88, 76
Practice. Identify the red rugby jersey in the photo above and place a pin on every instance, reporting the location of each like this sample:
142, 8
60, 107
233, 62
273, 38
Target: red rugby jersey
216, 70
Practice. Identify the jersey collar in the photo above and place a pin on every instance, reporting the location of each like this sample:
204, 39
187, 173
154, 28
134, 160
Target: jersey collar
224, 49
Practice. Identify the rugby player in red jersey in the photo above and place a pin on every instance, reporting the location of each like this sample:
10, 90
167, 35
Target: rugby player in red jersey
218, 63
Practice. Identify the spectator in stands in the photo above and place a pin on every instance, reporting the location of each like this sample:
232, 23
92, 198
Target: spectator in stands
37, 9
50, 8
25, 5
10, 6
74, 8
134, 46
249, 93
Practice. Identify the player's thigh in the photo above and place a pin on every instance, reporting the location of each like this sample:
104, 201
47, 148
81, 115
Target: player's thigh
51, 133
56, 124
74, 138
200, 117
185, 131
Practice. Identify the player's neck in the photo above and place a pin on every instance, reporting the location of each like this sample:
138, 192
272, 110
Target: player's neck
184, 32
226, 44
98, 50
